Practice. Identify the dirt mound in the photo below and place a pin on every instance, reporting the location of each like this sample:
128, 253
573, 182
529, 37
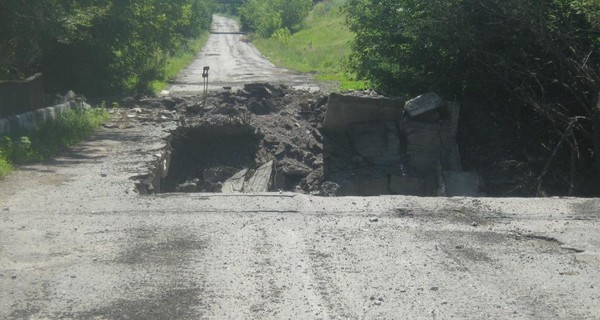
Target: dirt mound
231, 135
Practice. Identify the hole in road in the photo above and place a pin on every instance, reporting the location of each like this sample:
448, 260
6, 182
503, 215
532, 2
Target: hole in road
272, 138
204, 157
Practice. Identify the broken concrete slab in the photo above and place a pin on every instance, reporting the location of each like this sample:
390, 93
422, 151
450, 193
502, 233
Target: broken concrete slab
423, 104
261, 180
235, 184
188, 187
378, 142
345, 109
428, 143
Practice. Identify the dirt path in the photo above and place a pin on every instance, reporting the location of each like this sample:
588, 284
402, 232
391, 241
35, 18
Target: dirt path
233, 62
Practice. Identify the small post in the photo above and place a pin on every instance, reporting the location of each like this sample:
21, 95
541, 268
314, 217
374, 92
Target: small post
205, 78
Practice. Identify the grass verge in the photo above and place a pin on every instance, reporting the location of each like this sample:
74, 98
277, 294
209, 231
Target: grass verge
178, 61
5, 167
50, 138
321, 47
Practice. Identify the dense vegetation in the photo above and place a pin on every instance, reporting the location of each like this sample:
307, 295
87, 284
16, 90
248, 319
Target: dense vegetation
96, 46
266, 17
535, 60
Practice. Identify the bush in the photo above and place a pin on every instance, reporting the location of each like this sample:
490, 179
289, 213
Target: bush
265, 17
537, 57
51, 136
96, 47
282, 35
5, 167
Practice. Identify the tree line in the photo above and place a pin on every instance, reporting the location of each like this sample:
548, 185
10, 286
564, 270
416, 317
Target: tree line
96, 46
266, 17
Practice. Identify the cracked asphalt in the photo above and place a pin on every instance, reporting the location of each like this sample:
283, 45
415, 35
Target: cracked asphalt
77, 242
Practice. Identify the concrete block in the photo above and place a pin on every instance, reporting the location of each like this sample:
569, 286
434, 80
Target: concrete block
461, 184
261, 180
378, 142
40, 116
26, 122
61, 108
343, 110
424, 145
425, 103
235, 184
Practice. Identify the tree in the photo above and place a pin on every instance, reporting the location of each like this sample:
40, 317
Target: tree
96, 46
537, 55
267, 16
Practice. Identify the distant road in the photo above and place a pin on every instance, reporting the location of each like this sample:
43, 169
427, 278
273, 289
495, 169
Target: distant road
233, 62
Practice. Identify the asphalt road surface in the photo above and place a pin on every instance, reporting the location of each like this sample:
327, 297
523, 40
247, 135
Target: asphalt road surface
76, 242
233, 61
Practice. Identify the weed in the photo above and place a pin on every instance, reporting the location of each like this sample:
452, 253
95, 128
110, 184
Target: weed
50, 137
5, 167
72, 127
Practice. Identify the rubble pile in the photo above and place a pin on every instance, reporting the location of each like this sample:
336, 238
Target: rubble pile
272, 138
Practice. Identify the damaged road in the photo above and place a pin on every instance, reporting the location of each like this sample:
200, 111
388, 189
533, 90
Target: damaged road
77, 241
92, 234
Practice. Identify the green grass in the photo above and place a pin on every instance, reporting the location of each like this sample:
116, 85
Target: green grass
5, 167
50, 138
179, 61
321, 47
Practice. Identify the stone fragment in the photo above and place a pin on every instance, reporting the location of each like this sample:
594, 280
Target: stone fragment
378, 142
329, 189
422, 104
187, 187
344, 110
235, 184
261, 180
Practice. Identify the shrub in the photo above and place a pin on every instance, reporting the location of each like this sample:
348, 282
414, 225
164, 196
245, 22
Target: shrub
96, 47
265, 17
539, 58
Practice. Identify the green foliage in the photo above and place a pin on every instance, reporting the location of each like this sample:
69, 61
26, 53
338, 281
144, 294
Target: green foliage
229, 9
18, 150
50, 137
68, 130
532, 50
282, 35
533, 61
321, 47
267, 16
96, 46
5, 167
178, 60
